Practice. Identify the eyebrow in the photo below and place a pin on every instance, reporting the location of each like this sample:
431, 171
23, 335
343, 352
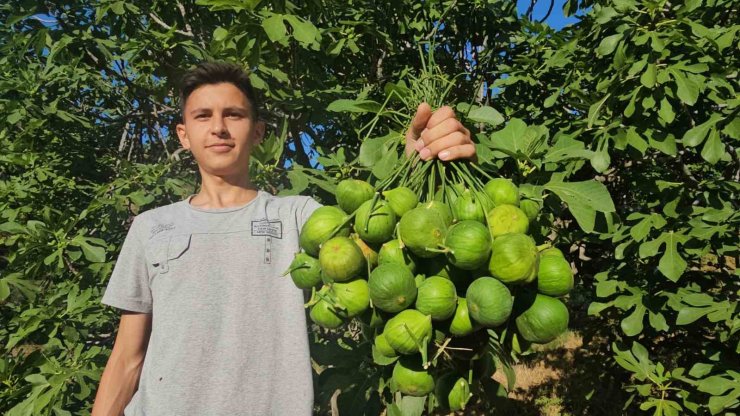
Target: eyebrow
227, 109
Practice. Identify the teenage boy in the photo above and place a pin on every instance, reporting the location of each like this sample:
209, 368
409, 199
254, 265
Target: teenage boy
208, 327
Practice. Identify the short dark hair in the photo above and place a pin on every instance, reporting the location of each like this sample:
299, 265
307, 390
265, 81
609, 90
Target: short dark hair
216, 72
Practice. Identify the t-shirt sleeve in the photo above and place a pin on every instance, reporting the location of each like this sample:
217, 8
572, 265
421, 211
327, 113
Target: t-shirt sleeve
128, 287
305, 211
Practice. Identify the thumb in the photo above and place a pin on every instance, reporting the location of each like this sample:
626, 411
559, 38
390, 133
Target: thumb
419, 122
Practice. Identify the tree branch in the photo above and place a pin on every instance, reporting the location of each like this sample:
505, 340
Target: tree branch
156, 19
549, 10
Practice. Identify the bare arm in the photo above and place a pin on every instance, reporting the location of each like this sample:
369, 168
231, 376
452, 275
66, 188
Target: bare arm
121, 375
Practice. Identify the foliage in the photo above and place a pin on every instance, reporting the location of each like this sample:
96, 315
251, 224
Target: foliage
649, 91
638, 98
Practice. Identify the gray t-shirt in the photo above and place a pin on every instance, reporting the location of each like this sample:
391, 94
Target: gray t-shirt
228, 331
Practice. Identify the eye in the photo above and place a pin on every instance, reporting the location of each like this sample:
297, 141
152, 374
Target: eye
201, 116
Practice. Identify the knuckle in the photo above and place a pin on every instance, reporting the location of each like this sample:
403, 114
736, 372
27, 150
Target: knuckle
452, 124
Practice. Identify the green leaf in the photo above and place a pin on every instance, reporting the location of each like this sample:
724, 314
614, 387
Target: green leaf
657, 321
601, 160
657, 42
583, 200
648, 77
726, 40
14, 117
354, 106
220, 34
687, 89
385, 165
632, 325
381, 359
696, 135
509, 138
666, 111
687, 314
304, 31
666, 143
716, 385
640, 230
732, 128
4, 290
594, 109
372, 150
596, 307
719, 403
650, 248
298, 182
118, 8
671, 264
567, 148
629, 109
713, 149
274, 27
699, 370
487, 115
141, 198
94, 254
409, 405
606, 288
551, 99
608, 44
634, 140
605, 14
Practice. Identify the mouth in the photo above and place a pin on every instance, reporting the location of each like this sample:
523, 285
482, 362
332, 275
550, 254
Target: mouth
221, 147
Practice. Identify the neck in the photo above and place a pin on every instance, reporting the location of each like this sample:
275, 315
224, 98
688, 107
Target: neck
224, 192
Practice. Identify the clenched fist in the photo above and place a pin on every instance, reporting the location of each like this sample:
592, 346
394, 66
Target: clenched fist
439, 134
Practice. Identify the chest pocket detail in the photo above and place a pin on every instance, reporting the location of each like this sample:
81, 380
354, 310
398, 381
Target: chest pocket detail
170, 250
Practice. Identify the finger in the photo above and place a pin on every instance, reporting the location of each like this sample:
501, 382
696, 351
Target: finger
419, 122
440, 115
442, 129
463, 151
454, 139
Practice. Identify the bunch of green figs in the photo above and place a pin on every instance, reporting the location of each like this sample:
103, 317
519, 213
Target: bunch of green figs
407, 269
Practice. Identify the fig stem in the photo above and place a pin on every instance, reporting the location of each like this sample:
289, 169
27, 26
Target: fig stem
346, 221
481, 171
292, 269
441, 349
331, 302
543, 247
443, 250
311, 301
372, 207
424, 352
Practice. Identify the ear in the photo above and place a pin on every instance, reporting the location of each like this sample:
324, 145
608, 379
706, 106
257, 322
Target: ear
259, 133
183, 136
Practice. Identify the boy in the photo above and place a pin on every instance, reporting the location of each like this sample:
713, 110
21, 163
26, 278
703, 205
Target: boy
208, 327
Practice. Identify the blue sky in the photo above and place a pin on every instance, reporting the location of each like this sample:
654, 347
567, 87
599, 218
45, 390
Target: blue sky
556, 19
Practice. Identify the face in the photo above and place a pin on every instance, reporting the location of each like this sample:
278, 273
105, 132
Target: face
219, 130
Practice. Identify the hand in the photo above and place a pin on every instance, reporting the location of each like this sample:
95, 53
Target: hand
439, 134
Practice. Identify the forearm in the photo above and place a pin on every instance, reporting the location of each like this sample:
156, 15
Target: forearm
117, 385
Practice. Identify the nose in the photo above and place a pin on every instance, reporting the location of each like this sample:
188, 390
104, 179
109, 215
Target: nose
218, 127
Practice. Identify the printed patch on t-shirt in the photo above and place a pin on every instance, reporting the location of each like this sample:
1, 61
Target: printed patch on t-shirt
268, 228
161, 227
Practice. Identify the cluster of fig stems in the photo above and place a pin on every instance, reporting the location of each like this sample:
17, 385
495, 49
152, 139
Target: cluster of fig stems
425, 177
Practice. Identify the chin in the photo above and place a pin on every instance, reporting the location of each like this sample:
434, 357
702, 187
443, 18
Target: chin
226, 169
